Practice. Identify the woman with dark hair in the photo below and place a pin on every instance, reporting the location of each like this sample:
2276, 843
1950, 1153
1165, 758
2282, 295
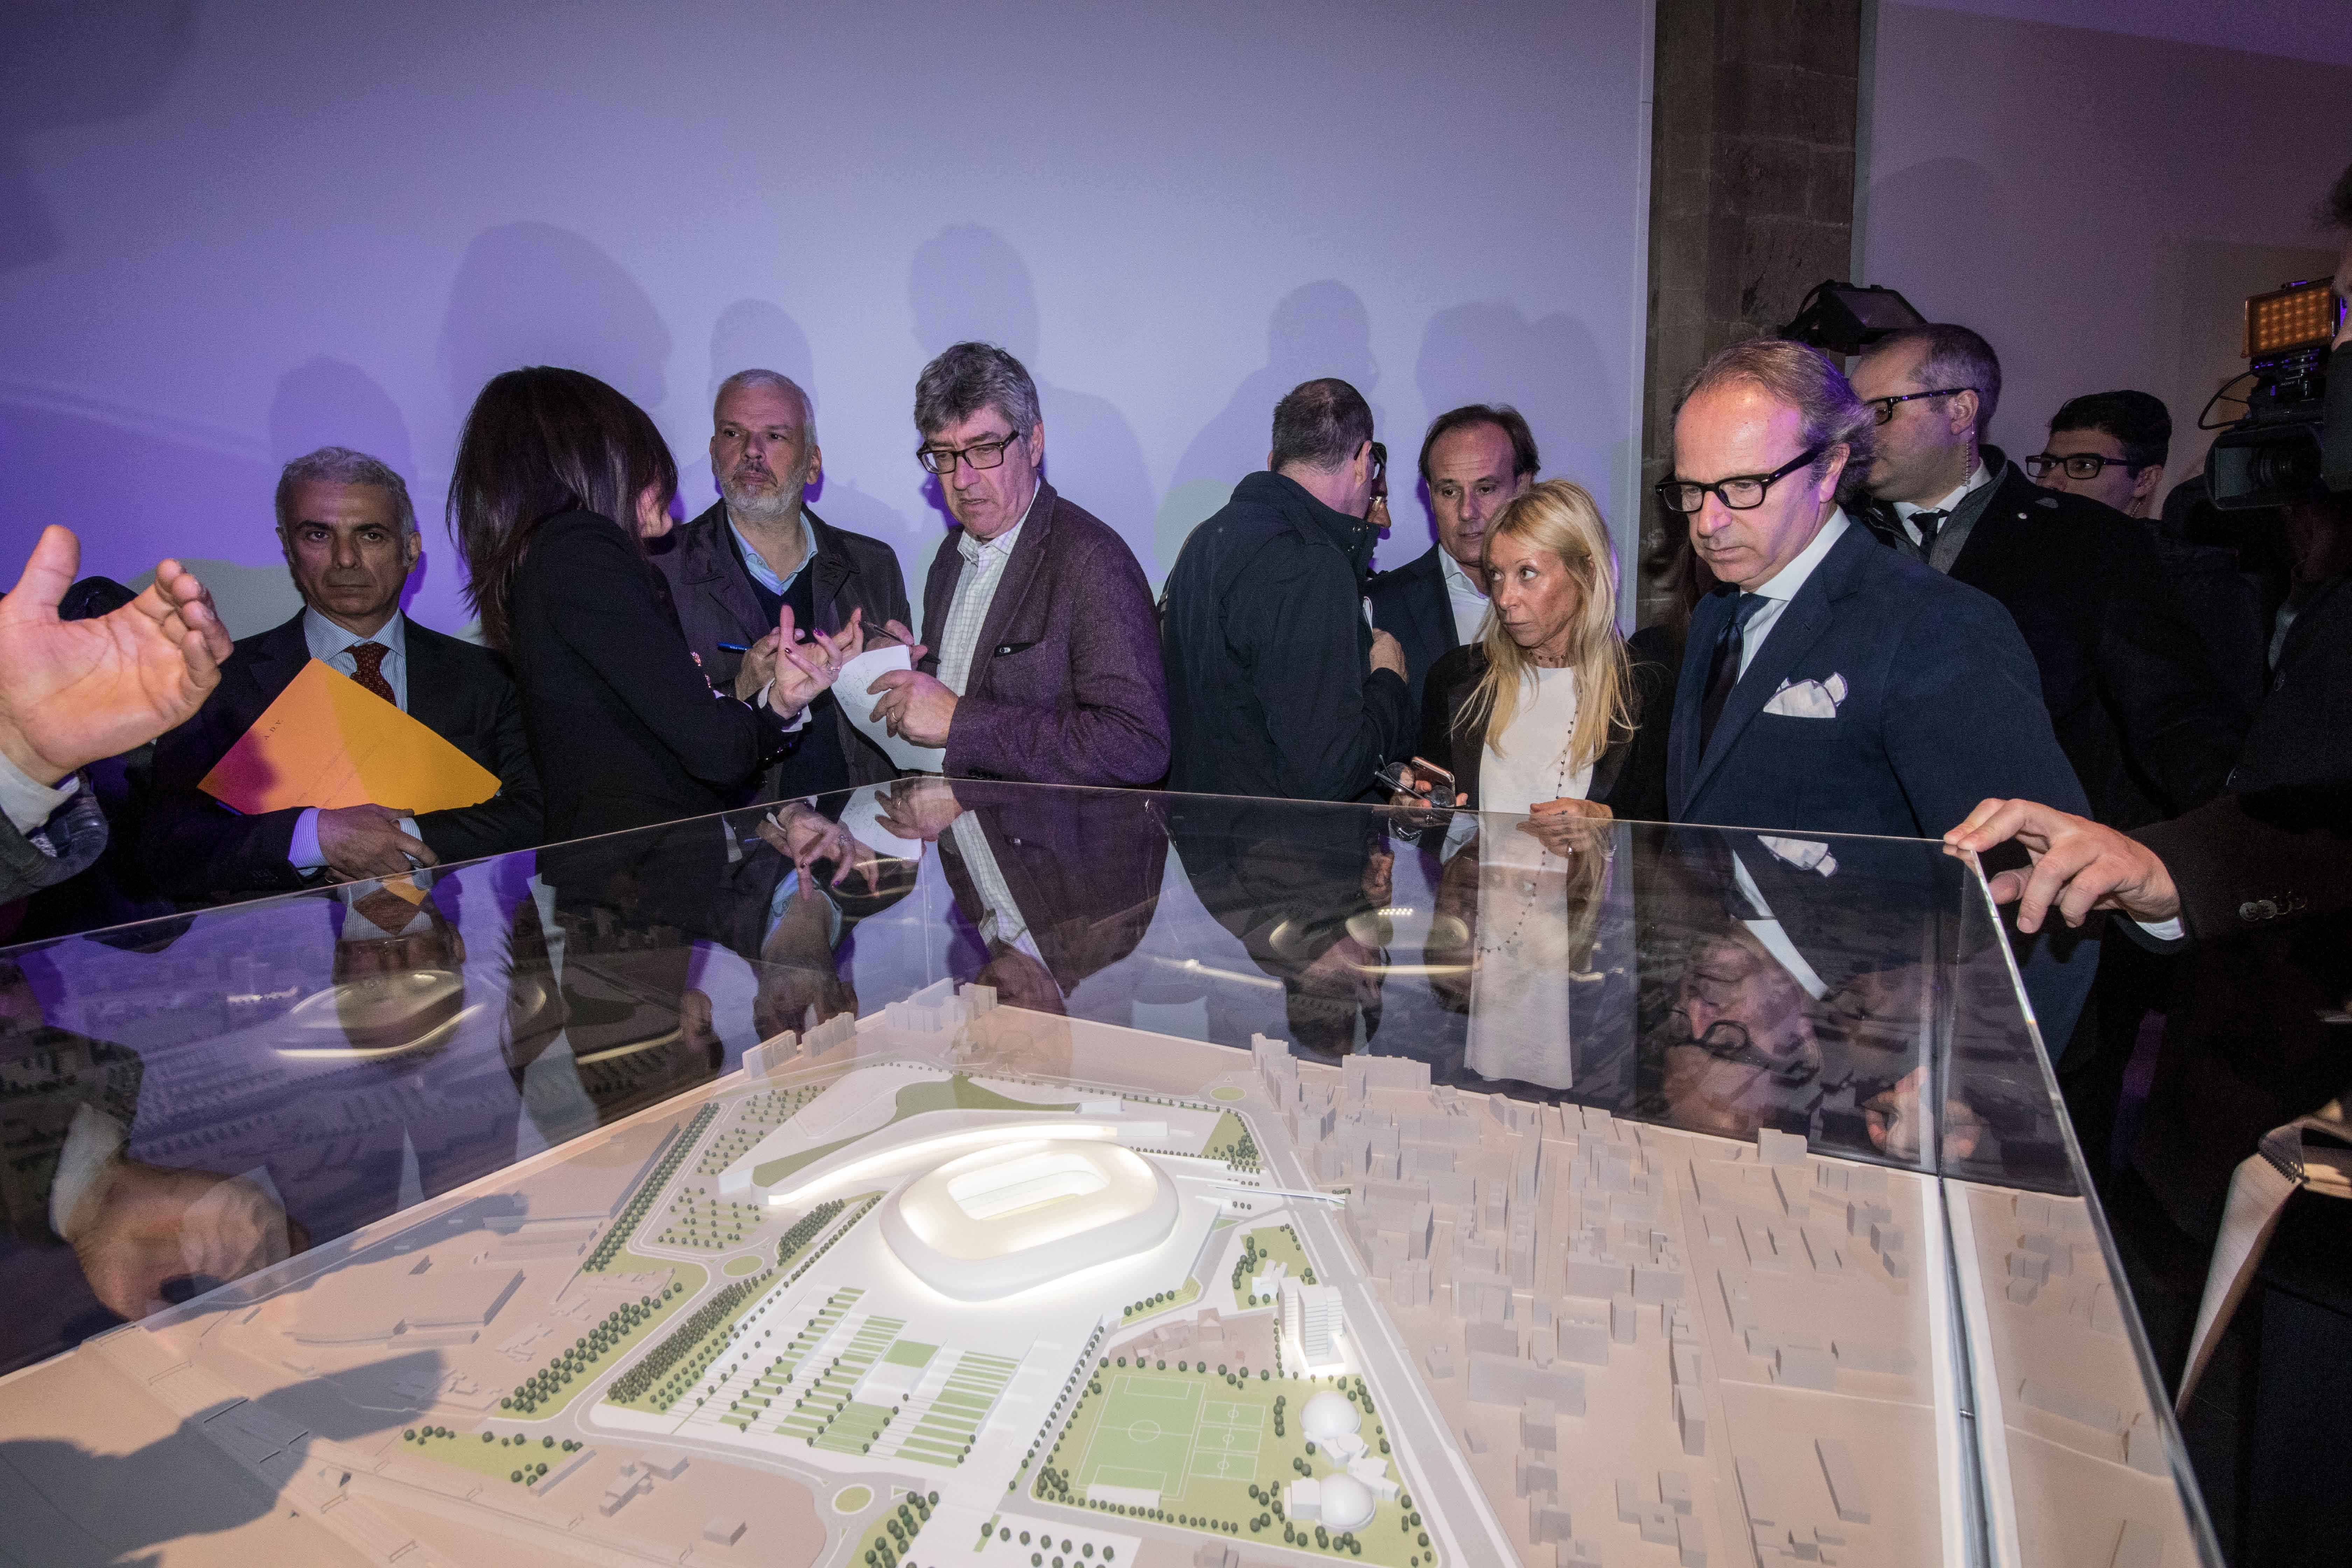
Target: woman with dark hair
558, 480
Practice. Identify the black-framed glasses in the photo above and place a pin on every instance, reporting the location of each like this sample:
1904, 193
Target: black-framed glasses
2078, 465
1883, 408
1728, 1040
1741, 492
941, 460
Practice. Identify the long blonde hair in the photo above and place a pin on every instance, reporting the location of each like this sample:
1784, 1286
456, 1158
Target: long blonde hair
1560, 519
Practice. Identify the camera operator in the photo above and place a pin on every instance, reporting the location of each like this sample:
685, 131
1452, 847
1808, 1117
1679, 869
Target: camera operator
2257, 887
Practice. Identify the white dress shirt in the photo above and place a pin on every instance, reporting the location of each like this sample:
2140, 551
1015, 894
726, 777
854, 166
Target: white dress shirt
27, 804
975, 590
1464, 597
764, 574
332, 645
1905, 511
1785, 583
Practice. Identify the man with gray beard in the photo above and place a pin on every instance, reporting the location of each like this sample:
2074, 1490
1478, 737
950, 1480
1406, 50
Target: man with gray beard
758, 548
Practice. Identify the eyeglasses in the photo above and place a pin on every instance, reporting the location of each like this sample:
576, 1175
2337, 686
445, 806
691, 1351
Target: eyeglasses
2079, 465
941, 460
1883, 408
1728, 1040
1741, 492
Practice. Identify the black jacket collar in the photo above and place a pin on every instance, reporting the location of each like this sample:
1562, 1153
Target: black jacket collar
1351, 536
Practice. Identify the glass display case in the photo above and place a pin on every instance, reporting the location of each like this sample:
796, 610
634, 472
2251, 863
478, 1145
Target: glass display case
990, 1174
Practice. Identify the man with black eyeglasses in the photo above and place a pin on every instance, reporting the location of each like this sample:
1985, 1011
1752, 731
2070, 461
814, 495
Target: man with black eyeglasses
1043, 661
1831, 686
1277, 683
2125, 673
2109, 445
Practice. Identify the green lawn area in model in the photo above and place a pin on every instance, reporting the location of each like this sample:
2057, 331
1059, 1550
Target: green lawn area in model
1228, 1135
1201, 1440
958, 1093
498, 1459
739, 1267
1273, 1244
690, 1279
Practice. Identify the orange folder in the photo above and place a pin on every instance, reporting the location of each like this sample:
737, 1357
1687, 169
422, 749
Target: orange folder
328, 742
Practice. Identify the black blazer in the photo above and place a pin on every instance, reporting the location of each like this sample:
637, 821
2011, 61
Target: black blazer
1630, 778
1410, 605
624, 726
200, 851
712, 592
2138, 707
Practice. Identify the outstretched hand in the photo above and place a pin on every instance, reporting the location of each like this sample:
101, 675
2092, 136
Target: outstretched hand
2078, 865
804, 670
74, 691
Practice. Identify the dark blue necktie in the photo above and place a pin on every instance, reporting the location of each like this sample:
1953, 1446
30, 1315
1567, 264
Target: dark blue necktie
1723, 672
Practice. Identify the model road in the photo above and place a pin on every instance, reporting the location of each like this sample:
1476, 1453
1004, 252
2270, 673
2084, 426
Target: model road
1451, 1503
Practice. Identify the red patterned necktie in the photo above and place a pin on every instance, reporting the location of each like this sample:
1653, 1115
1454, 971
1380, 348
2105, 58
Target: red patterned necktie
370, 673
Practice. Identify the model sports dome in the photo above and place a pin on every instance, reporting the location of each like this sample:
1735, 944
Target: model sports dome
1329, 1414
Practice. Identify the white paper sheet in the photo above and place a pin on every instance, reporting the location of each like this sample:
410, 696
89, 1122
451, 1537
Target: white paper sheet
849, 691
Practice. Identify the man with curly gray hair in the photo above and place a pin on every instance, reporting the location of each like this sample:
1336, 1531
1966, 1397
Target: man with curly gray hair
1042, 662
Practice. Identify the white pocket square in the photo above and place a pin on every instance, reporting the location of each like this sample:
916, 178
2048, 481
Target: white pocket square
1804, 854
1807, 698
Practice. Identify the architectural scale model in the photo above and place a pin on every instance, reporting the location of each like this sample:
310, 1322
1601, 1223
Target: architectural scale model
965, 1285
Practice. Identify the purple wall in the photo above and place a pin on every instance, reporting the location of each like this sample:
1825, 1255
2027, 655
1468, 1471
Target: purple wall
229, 232
2097, 204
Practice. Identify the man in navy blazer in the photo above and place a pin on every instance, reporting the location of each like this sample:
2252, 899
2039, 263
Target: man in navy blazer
349, 536
1832, 685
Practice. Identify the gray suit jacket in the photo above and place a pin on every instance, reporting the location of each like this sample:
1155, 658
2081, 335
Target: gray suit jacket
713, 597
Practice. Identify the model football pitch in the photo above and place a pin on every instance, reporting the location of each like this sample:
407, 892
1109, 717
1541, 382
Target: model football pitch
1202, 1439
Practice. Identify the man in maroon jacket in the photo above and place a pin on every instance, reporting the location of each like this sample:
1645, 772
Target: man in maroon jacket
1042, 658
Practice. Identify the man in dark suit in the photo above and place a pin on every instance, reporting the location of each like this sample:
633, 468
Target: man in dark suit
758, 548
2123, 671
1832, 685
350, 542
1042, 663
1474, 460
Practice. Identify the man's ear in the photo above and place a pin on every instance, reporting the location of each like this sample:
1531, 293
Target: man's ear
2145, 482
1035, 442
1955, 408
413, 543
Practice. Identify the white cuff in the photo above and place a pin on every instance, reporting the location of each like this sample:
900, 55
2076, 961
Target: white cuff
791, 726
2164, 930
92, 1142
303, 853
27, 804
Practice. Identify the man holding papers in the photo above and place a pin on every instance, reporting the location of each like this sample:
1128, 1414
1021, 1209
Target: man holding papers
350, 542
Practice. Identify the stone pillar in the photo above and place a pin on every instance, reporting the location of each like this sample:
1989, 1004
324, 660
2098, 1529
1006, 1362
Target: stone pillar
1752, 139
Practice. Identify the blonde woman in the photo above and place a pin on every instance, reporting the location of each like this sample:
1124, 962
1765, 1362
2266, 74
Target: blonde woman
1544, 713
1543, 717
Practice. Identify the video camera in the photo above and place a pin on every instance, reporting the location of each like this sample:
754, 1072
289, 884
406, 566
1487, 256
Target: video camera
2294, 440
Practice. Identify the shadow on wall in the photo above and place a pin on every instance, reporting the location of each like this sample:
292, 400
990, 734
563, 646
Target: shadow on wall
966, 282
754, 334
327, 403
530, 294
1316, 329
75, 65
1550, 370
